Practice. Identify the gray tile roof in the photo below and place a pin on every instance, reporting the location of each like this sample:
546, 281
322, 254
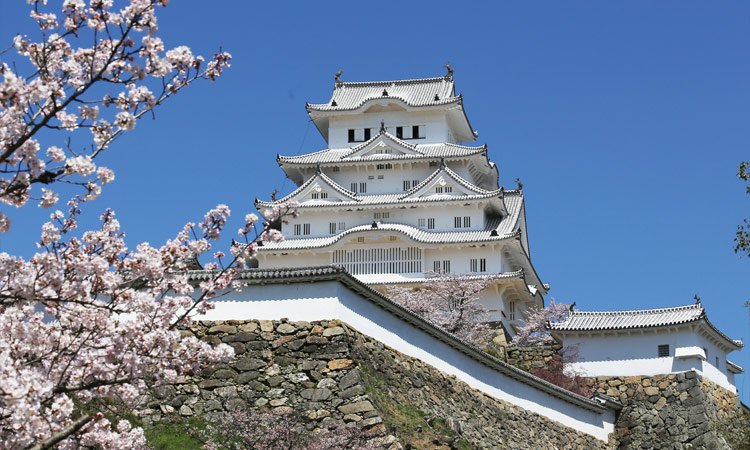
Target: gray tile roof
386, 278
734, 367
333, 273
581, 321
477, 193
503, 229
416, 234
347, 155
416, 92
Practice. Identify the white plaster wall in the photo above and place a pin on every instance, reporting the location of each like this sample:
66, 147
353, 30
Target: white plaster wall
435, 122
319, 219
636, 354
331, 300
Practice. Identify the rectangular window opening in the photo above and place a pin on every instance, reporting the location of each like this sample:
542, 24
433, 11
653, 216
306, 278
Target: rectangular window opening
663, 351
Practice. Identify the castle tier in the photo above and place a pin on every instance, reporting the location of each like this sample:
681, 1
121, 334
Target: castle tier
396, 197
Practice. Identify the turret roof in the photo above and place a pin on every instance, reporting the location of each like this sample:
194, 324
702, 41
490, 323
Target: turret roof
415, 92
582, 321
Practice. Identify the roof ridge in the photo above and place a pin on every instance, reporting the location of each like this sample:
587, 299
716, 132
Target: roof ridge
392, 82
639, 311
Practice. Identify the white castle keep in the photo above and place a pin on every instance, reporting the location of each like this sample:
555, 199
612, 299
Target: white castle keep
397, 196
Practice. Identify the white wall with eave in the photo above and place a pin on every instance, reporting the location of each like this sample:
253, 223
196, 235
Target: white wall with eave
636, 354
331, 300
435, 123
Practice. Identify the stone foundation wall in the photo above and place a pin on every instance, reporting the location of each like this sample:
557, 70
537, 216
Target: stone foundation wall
282, 367
334, 376
675, 411
530, 358
483, 422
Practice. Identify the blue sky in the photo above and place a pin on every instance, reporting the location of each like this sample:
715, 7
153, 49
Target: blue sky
625, 120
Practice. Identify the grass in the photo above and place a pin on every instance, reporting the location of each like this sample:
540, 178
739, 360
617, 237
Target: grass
409, 422
175, 434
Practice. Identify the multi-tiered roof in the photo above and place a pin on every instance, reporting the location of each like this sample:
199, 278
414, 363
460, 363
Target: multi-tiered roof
396, 195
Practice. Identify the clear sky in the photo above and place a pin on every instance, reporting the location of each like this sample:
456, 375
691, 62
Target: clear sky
625, 120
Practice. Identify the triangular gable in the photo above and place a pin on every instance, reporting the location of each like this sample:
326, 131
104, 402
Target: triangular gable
443, 182
384, 145
326, 189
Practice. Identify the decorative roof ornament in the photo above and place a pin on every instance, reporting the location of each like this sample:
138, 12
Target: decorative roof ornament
274, 194
697, 299
448, 75
442, 163
437, 98
337, 77
318, 170
519, 184
572, 307
385, 93
382, 127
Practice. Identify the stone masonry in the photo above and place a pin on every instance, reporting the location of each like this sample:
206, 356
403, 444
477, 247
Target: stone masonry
326, 371
674, 411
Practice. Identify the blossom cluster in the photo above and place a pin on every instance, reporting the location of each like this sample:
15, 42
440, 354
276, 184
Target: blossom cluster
57, 93
535, 328
450, 302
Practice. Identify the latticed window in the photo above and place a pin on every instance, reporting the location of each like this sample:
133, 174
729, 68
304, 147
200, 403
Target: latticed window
663, 351
379, 260
431, 224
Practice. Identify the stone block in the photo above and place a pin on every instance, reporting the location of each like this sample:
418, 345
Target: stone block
338, 364
356, 407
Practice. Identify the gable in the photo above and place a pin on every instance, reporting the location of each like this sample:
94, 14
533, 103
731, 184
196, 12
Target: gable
383, 145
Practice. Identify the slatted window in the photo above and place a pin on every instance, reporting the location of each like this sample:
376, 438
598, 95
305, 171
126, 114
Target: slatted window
478, 265
456, 222
317, 195
512, 310
359, 188
430, 224
301, 229
332, 227
381, 215
443, 266
336, 168
467, 221
364, 261
386, 166
421, 222
663, 351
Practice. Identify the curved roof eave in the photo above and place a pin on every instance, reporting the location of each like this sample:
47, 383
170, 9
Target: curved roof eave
407, 230
361, 203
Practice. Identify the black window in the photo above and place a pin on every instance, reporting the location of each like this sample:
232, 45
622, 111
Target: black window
351, 136
663, 351
400, 132
415, 132
367, 134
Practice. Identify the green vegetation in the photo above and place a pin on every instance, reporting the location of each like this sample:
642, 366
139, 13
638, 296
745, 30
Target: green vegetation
175, 434
410, 424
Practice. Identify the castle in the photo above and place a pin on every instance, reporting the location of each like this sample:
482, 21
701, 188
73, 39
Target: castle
396, 198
